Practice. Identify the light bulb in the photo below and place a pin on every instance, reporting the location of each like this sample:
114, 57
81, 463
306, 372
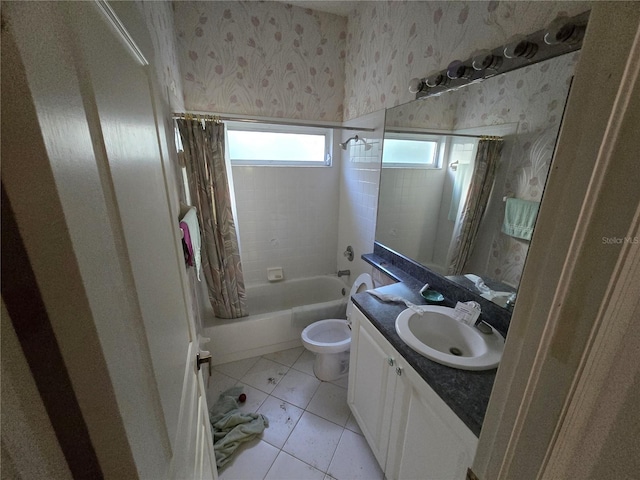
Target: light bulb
522, 48
485, 60
416, 85
561, 30
437, 80
457, 69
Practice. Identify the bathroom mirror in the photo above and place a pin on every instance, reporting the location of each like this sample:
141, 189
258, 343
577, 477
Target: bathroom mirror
430, 146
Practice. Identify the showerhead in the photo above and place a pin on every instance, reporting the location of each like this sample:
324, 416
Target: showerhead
356, 138
346, 142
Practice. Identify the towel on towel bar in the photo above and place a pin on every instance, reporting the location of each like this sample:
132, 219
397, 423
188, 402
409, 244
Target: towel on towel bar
190, 219
520, 217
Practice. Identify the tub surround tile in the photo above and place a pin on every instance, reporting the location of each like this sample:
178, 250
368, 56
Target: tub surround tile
297, 388
330, 403
314, 441
287, 467
286, 357
354, 460
287, 217
265, 375
283, 418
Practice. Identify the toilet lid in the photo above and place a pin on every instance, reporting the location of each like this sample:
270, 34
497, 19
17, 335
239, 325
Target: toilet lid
363, 280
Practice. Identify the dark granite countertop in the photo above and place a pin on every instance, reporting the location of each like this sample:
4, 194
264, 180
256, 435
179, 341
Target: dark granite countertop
465, 392
405, 270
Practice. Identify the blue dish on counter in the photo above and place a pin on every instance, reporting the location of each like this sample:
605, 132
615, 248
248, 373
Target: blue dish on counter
431, 296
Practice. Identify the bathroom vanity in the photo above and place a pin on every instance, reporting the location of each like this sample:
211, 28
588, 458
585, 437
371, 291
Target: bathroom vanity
410, 429
420, 418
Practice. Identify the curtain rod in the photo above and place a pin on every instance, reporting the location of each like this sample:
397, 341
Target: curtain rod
219, 118
445, 134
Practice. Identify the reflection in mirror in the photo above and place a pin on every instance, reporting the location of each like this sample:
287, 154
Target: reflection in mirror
431, 158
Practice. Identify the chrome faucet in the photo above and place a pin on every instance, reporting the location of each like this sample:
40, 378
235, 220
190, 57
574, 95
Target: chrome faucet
343, 272
349, 253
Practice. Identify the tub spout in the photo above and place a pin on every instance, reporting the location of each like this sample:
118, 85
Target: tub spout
343, 272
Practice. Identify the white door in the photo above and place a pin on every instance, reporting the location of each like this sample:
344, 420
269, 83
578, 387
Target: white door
193, 456
98, 116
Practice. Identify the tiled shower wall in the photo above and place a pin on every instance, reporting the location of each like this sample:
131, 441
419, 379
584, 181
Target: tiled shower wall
297, 218
408, 219
287, 217
359, 183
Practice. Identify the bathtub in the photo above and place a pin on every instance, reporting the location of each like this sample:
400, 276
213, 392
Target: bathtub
278, 314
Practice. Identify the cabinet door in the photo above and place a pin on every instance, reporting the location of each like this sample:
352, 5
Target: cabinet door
371, 384
427, 440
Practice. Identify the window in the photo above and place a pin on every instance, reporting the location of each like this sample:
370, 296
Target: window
412, 150
268, 144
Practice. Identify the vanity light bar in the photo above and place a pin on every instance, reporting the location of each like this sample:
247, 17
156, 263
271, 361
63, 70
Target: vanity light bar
563, 35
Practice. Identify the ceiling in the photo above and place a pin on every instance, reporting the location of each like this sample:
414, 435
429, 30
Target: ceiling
342, 8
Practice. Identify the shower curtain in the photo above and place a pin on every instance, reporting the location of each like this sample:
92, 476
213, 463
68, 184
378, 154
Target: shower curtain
466, 229
204, 152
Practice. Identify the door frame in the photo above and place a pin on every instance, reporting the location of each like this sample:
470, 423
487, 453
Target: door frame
47, 149
573, 306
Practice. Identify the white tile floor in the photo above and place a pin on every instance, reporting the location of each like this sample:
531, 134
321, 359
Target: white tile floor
311, 434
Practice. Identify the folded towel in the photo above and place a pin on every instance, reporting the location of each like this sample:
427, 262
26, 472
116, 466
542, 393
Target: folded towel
191, 220
520, 217
231, 427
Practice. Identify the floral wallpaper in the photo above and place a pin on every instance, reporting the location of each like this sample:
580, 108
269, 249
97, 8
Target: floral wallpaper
271, 59
532, 98
388, 43
267, 59
160, 22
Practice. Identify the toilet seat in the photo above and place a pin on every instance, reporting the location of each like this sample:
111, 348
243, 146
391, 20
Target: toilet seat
363, 280
327, 336
320, 336
330, 339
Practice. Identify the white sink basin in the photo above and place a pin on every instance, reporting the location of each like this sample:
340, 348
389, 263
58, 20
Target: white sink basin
437, 335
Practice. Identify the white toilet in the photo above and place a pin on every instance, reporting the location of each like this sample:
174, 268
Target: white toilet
330, 340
